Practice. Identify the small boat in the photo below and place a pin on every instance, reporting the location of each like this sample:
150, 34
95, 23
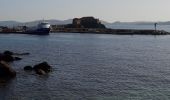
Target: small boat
42, 28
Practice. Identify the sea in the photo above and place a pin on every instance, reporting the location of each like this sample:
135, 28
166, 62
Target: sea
89, 67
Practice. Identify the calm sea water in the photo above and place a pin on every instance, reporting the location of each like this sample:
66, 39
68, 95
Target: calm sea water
90, 67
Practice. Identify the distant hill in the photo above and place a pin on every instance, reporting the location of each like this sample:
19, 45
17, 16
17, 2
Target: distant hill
9, 23
33, 23
52, 22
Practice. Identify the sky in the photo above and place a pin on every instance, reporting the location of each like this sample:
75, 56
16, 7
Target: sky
108, 10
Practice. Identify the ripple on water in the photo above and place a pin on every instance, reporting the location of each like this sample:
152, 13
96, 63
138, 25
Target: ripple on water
88, 66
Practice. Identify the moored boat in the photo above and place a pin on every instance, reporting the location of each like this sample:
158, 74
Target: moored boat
42, 28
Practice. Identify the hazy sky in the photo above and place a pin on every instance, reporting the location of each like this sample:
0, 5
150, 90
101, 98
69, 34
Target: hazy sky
109, 10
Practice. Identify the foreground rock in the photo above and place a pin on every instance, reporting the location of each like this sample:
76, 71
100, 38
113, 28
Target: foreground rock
9, 56
42, 68
12, 53
40, 72
8, 53
6, 71
28, 68
6, 57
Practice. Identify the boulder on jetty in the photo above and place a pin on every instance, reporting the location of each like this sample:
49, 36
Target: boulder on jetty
6, 71
42, 68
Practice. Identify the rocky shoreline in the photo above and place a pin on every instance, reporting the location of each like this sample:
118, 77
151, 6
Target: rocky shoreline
7, 72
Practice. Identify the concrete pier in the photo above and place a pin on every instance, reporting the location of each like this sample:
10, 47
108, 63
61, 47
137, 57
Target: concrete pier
111, 31
97, 31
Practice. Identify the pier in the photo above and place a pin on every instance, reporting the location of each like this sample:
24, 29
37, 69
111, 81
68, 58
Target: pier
96, 31
110, 31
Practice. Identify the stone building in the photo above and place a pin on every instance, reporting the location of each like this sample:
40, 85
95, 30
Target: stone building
86, 22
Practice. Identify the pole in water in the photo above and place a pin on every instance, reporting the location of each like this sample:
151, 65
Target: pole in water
155, 24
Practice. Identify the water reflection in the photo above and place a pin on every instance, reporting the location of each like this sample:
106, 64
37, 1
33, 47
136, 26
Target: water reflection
90, 66
6, 88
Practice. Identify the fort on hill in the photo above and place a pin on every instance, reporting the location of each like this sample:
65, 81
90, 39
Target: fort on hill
86, 22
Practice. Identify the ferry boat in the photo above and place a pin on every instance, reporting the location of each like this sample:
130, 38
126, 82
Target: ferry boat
42, 28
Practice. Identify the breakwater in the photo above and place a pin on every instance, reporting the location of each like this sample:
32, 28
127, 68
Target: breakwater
111, 31
97, 31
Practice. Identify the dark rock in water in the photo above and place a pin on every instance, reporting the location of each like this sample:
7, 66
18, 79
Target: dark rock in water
7, 58
8, 52
6, 71
28, 68
41, 72
1, 55
41, 69
12, 53
17, 58
42, 66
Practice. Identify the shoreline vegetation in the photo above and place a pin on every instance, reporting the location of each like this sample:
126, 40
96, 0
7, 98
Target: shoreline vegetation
89, 25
